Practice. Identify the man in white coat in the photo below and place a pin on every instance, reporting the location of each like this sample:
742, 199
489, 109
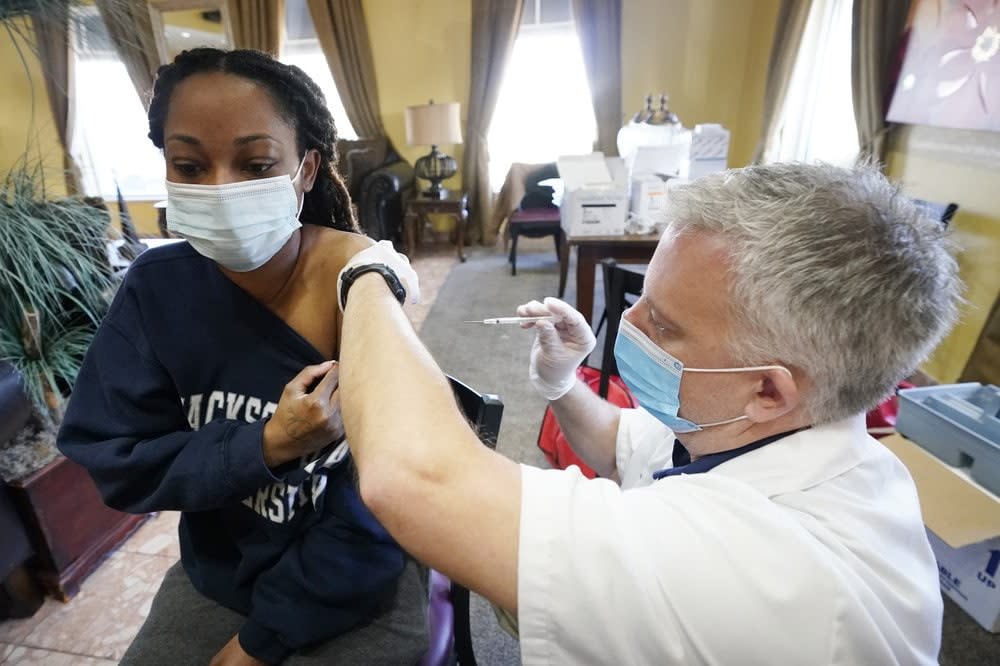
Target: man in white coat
744, 515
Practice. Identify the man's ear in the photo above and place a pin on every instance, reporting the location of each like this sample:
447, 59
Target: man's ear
776, 393
310, 169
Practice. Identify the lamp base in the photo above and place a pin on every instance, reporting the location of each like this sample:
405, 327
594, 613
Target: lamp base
435, 191
435, 167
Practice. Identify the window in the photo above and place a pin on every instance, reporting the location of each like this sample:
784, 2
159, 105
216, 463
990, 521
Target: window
817, 121
544, 108
302, 49
109, 141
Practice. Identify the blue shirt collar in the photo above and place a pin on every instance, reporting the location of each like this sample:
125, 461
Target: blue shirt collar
682, 459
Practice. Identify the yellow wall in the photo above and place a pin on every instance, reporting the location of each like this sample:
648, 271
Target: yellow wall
144, 217
190, 19
709, 56
962, 167
26, 121
421, 52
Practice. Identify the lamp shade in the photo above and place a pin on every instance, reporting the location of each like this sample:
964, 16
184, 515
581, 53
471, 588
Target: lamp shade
433, 124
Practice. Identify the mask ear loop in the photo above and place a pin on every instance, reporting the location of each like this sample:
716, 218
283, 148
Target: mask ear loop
756, 368
298, 172
702, 426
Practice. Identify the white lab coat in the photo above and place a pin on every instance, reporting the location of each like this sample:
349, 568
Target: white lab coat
809, 550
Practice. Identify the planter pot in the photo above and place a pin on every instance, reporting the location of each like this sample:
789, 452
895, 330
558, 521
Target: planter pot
69, 525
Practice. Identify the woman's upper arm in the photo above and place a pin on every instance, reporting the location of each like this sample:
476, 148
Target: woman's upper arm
344, 245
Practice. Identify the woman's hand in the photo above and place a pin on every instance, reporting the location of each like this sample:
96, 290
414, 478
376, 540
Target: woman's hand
232, 654
305, 421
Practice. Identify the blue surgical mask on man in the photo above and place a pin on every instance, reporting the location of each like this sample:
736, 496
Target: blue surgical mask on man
654, 378
240, 225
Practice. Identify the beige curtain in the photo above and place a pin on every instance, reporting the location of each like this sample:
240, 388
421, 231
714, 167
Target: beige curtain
131, 33
343, 34
52, 39
599, 25
788, 31
876, 27
257, 24
494, 29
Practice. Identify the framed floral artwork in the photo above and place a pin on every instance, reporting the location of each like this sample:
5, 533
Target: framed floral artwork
950, 73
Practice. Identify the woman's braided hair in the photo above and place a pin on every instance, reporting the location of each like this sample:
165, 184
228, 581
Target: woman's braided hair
300, 102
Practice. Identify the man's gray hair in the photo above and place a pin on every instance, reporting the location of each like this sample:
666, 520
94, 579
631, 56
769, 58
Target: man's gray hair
834, 271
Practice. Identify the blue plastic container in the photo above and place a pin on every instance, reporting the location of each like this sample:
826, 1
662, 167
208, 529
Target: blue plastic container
958, 423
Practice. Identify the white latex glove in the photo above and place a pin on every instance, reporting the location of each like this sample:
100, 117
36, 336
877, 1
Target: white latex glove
383, 252
560, 346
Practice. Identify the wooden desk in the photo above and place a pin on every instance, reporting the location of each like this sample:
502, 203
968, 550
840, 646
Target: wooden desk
590, 250
455, 204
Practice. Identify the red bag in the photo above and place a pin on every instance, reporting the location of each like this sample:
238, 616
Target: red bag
551, 440
881, 421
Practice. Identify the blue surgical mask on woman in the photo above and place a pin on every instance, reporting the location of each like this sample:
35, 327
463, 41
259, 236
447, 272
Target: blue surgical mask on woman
239, 225
654, 378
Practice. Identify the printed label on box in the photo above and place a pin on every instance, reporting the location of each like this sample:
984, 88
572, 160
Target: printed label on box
970, 576
594, 213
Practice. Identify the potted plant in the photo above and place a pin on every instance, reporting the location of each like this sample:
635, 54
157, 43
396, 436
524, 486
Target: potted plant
55, 286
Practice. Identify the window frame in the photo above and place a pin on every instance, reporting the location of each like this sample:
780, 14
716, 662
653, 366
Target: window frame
93, 183
538, 31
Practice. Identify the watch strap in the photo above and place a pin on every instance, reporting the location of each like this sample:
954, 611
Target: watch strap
390, 277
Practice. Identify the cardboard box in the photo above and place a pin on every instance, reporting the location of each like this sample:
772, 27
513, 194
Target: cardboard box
595, 196
963, 524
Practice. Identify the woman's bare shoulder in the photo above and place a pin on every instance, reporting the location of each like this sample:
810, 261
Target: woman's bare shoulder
334, 248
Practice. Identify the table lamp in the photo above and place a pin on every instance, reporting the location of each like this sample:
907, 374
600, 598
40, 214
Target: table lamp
433, 125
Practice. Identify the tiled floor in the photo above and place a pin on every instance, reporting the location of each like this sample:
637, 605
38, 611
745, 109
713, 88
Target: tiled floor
99, 623
96, 627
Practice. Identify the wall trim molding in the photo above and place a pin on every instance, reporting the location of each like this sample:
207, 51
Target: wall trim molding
965, 147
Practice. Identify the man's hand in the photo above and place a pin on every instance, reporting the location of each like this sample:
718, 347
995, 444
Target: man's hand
232, 654
559, 347
304, 421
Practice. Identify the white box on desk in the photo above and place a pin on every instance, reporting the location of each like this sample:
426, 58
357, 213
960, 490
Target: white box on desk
963, 526
595, 198
648, 197
709, 150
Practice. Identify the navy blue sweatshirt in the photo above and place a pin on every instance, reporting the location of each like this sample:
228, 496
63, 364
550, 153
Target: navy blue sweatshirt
168, 413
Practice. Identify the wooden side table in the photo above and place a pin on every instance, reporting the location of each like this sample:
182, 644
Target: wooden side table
455, 204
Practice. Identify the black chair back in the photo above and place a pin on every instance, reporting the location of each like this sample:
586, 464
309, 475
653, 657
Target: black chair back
618, 284
535, 195
939, 211
484, 412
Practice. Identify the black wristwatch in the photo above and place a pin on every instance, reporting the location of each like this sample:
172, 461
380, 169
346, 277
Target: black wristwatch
352, 274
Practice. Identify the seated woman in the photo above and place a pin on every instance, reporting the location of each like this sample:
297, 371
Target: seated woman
211, 387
